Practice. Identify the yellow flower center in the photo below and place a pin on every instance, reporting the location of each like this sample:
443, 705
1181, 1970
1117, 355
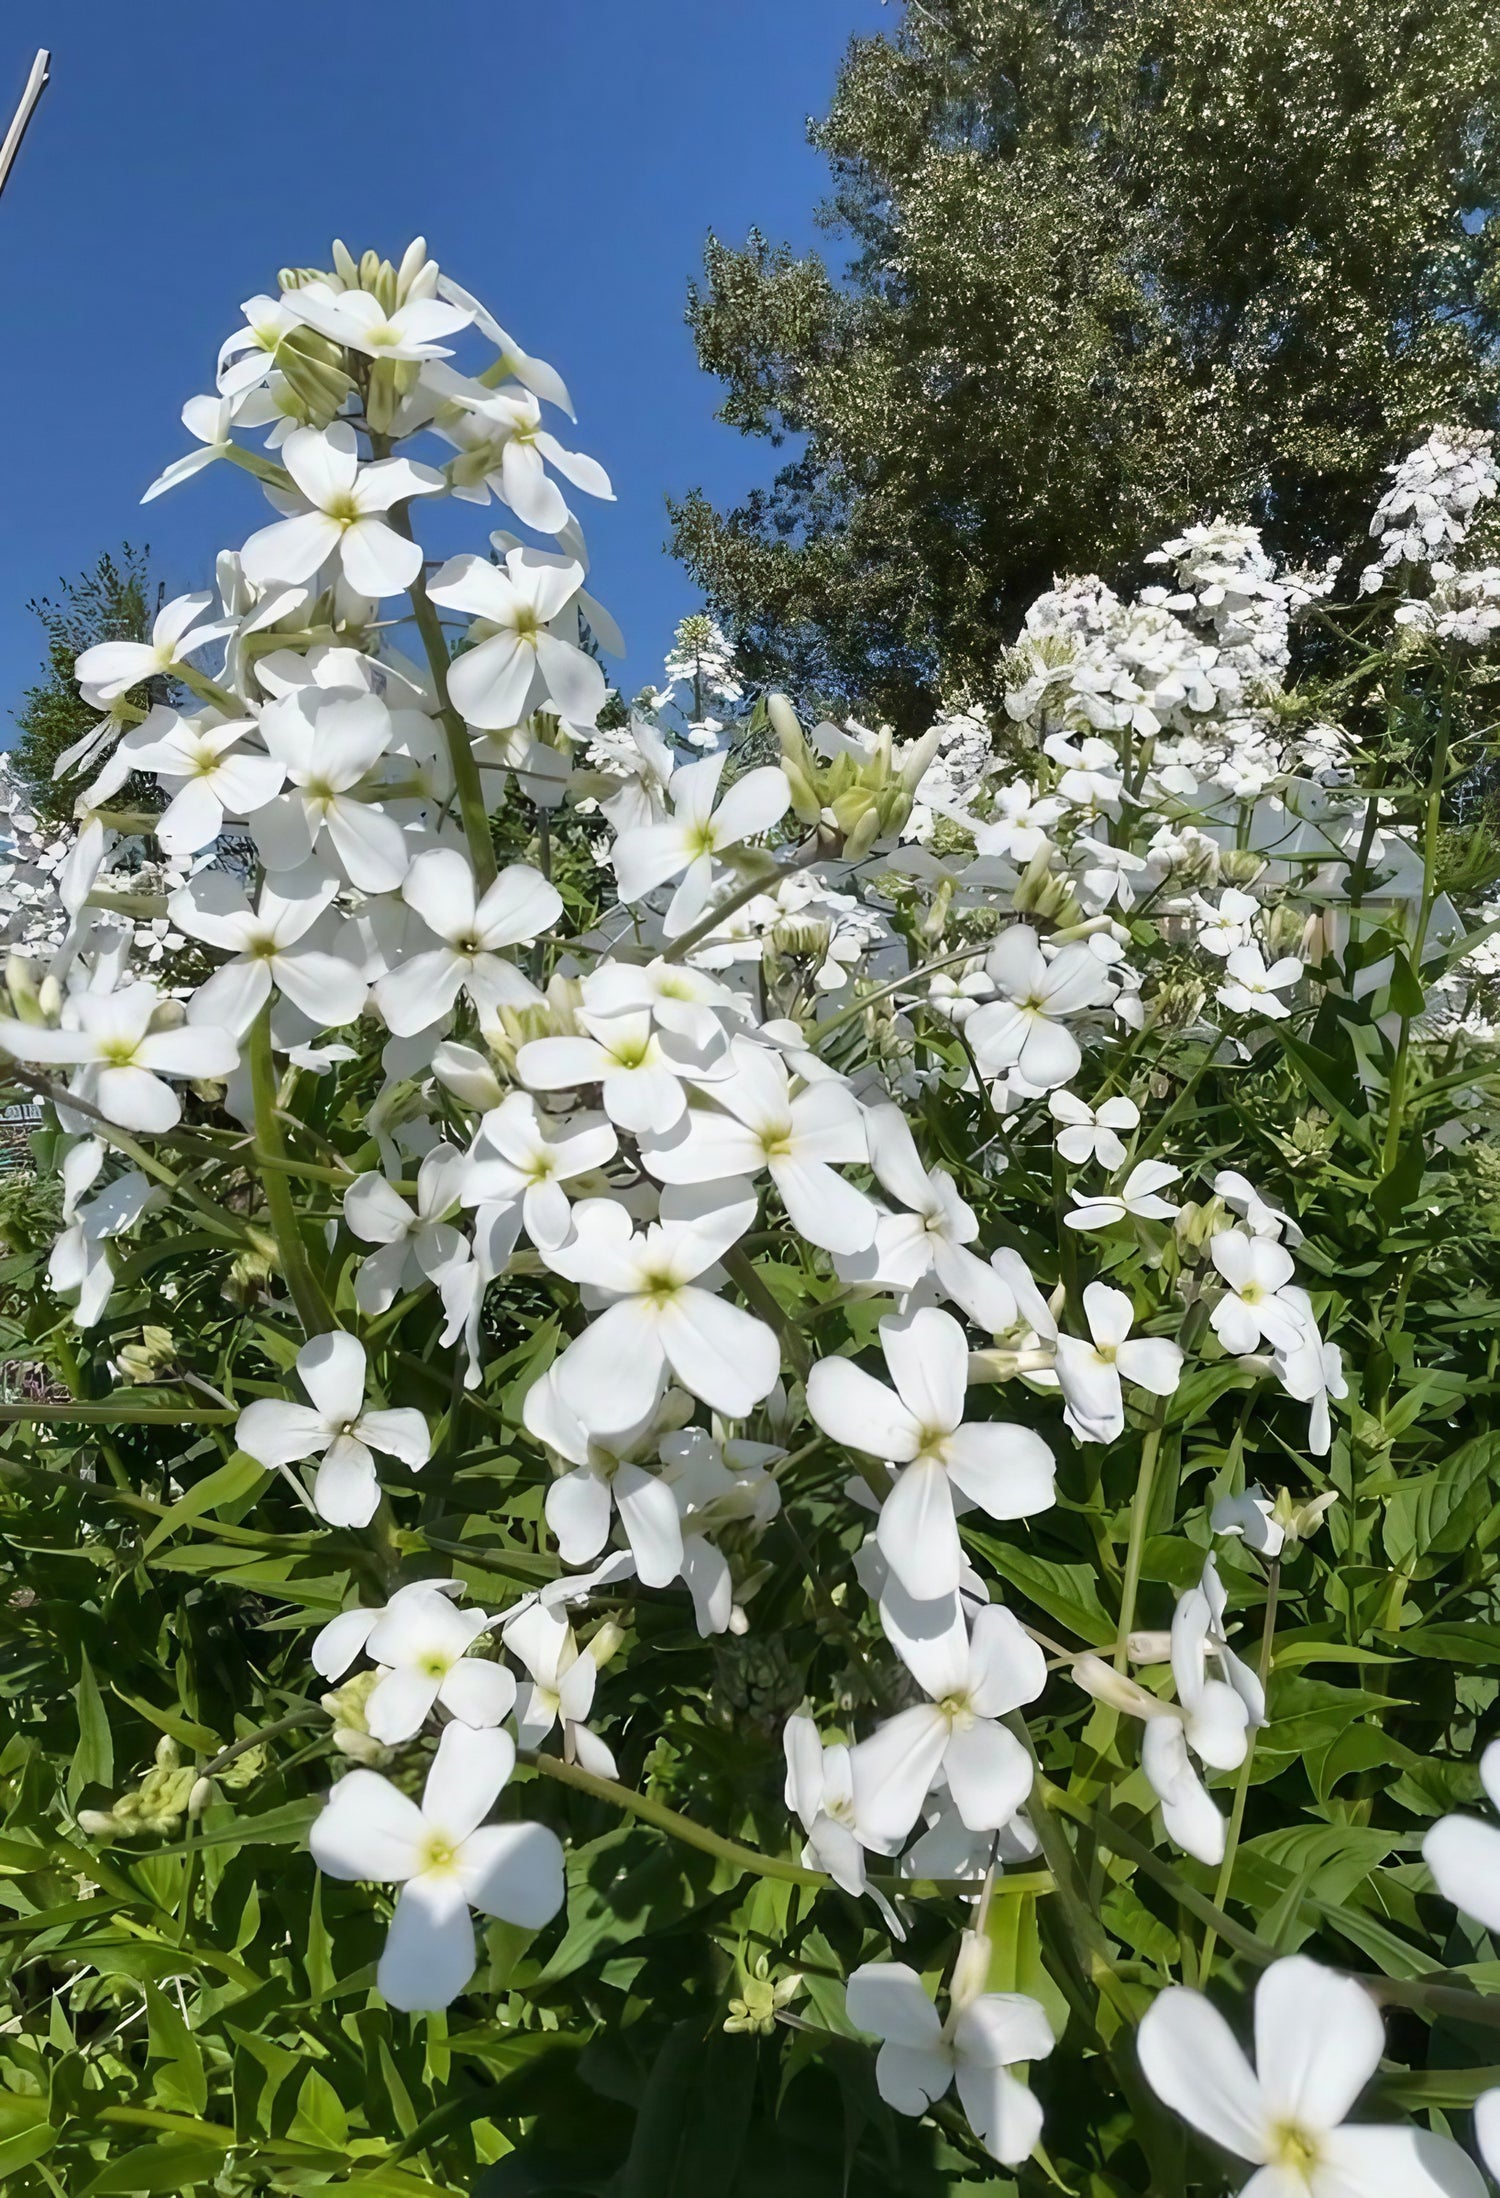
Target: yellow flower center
1295, 2148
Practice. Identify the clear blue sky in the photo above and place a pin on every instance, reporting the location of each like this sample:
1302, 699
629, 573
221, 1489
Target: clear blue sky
564, 160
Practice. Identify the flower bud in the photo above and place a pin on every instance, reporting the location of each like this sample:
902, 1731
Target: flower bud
1111, 1687
971, 1971
805, 937
605, 1643
201, 1794
1197, 1225
1040, 893
1148, 1648
1240, 866
21, 986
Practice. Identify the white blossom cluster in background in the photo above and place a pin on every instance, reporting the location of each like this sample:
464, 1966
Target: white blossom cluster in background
628, 1112
1431, 503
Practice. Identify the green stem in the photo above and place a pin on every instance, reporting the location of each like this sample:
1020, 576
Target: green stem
113, 1414
667, 1820
1242, 1784
1140, 1507
766, 882
759, 1296
288, 1723
312, 1309
466, 779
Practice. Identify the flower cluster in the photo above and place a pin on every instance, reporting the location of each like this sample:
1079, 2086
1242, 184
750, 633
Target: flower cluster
833, 1102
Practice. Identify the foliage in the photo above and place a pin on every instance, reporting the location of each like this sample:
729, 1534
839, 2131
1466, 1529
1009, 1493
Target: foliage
1112, 269
114, 600
1138, 1044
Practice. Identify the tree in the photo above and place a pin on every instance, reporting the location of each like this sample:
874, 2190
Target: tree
115, 599
1114, 268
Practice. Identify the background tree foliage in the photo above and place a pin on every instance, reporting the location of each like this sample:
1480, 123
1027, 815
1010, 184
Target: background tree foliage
1114, 267
114, 599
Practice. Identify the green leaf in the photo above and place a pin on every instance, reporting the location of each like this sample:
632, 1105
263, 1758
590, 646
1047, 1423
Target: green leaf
283, 1827
1065, 1592
320, 2118
93, 1763
172, 1722
175, 2165
30, 2144
226, 1484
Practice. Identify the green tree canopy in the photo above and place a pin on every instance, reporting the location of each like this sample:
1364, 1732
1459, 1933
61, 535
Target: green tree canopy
1115, 267
114, 600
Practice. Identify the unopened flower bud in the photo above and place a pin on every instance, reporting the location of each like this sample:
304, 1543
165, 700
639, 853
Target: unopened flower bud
1197, 1225
1111, 1687
201, 1794
1239, 866
20, 983
1040, 893
1148, 1648
971, 1970
606, 1642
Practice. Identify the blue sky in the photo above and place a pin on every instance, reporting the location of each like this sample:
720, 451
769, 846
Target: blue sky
564, 160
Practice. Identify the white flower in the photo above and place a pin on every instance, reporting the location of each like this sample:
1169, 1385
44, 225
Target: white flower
1025, 1028
79, 1259
1021, 820
502, 445
446, 1860
358, 320
1252, 1517
1251, 1310
1138, 1197
520, 1160
1230, 925
1250, 988
346, 504
336, 1645
112, 668
208, 772
658, 1316
208, 420
1311, 1370
972, 1682
1463, 1853
526, 652
330, 739
474, 929
1318, 2042
1260, 1218
607, 1477
754, 1123
647, 856
561, 1689
1090, 1372
820, 1792
335, 1428
932, 1239
123, 1058
920, 2055
414, 1242
1005, 1469
716, 1484
266, 943
623, 1055
423, 1642
1090, 1132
